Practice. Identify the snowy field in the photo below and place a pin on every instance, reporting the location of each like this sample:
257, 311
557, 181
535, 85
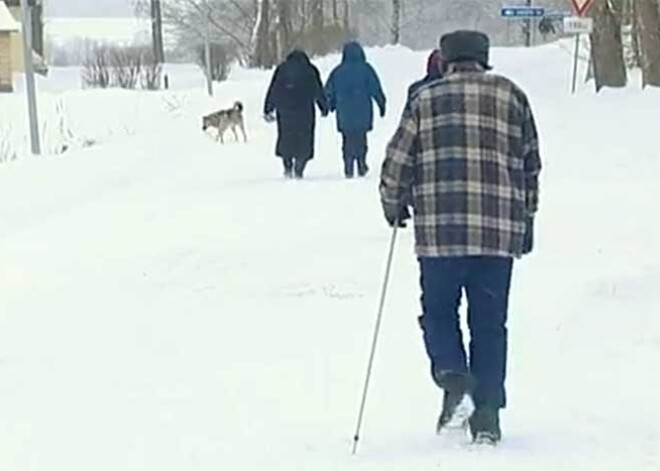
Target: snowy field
172, 304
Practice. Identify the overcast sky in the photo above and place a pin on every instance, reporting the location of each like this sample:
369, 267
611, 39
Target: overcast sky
94, 8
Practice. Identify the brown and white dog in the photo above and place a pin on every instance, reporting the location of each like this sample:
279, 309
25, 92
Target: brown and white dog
224, 119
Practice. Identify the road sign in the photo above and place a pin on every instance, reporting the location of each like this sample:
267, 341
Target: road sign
522, 12
581, 6
578, 25
557, 15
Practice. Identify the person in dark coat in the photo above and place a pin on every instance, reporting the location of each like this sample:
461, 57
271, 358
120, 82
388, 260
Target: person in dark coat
294, 90
351, 90
435, 70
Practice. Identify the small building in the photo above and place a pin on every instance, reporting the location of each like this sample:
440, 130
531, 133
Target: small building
11, 41
9, 28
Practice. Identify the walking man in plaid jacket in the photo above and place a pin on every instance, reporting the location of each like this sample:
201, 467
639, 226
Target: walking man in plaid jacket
467, 151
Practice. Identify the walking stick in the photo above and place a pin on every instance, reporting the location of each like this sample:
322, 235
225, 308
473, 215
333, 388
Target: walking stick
379, 317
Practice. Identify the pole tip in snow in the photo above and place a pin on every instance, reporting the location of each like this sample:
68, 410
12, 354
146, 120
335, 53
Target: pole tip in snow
356, 439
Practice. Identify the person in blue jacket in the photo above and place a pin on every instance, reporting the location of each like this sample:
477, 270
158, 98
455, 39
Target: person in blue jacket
351, 90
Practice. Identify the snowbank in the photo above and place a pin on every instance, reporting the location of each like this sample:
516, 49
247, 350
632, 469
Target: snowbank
72, 118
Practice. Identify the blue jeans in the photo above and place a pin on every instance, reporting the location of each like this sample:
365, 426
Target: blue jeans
486, 282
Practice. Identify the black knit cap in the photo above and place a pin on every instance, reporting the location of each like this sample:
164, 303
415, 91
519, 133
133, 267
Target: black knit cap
461, 46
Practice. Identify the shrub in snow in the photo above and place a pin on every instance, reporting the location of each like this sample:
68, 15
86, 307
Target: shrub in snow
151, 75
121, 66
221, 60
96, 67
7, 149
127, 63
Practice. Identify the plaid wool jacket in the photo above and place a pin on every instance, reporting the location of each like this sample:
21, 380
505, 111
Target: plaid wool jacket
467, 150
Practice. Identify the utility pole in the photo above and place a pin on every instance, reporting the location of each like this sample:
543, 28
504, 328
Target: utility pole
528, 28
29, 78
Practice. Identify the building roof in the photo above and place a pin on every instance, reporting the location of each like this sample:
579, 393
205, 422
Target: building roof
7, 22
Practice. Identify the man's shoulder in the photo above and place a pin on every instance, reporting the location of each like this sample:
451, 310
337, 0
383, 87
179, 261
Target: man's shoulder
424, 85
487, 83
505, 83
415, 86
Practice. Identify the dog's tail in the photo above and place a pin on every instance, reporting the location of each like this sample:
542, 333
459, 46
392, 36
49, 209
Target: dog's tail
238, 106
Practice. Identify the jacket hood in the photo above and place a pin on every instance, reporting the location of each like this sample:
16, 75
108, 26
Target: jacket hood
298, 55
435, 65
353, 52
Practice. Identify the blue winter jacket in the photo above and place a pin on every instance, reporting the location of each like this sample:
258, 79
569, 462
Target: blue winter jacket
351, 88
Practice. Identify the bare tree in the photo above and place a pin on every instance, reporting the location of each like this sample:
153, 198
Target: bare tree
335, 12
648, 18
261, 32
284, 27
633, 22
153, 10
157, 32
396, 21
607, 45
315, 39
317, 14
261, 48
229, 22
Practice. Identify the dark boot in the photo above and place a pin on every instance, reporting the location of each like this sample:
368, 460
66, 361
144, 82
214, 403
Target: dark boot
363, 169
457, 404
485, 426
288, 167
299, 168
349, 167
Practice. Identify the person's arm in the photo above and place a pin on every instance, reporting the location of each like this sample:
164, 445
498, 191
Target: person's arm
397, 173
331, 93
532, 168
319, 94
532, 161
269, 104
376, 91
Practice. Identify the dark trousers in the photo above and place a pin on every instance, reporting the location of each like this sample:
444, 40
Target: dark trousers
486, 282
292, 164
355, 149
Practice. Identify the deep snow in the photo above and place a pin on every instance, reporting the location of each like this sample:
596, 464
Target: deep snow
169, 303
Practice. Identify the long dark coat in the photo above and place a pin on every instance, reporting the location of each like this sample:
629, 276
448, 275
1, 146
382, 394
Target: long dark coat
294, 90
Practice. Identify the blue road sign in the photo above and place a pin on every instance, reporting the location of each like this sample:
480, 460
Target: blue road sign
522, 12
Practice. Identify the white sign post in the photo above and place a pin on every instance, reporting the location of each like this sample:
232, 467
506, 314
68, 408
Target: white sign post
578, 25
